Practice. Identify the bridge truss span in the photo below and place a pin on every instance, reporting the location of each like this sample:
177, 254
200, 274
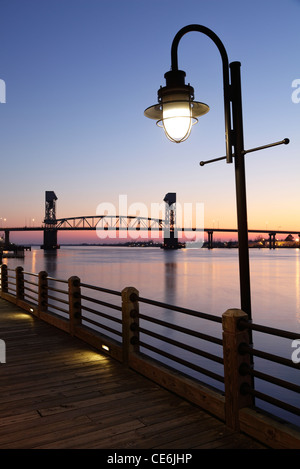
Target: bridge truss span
110, 222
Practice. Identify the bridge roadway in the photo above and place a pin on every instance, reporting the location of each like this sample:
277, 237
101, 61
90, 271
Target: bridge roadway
59, 393
120, 223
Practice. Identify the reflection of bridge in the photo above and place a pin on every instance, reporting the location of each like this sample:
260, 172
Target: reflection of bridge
123, 224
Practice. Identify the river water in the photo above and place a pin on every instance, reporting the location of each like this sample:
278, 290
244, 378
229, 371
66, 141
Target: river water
199, 279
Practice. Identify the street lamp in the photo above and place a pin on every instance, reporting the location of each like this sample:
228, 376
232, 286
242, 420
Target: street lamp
176, 111
176, 92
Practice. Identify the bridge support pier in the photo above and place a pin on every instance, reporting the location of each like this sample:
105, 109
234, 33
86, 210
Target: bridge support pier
50, 232
272, 240
210, 239
170, 233
50, 239
6, 238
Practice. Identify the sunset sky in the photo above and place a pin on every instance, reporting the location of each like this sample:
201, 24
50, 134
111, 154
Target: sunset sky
79, 74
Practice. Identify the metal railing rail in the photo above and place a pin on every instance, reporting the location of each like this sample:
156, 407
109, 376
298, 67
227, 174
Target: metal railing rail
247, 370
101, 311
179, 346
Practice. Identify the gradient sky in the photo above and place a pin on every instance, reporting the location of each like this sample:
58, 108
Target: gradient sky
79, 74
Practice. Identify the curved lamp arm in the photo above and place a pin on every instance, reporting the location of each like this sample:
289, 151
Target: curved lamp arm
226, 86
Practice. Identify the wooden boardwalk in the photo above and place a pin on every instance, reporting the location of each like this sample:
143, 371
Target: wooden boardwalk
57, 392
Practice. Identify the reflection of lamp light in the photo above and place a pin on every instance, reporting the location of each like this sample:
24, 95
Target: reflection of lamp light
176, 110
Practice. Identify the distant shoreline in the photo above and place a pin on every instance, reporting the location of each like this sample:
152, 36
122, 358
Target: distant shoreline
217, 245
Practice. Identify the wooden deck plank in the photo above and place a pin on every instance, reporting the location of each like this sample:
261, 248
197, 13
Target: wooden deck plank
57, 392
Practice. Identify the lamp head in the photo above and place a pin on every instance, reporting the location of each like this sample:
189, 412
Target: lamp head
176, 110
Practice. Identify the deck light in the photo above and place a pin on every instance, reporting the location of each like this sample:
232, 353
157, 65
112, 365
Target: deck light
176, 110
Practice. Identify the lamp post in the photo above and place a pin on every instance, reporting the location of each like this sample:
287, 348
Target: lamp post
177, 111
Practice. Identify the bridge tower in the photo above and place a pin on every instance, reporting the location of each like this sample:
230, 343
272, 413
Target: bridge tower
170, 232
50, 232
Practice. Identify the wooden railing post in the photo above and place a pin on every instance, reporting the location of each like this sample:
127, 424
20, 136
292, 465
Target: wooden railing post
130, 320
74, 303
4, 278
43, 292
19, 283
233, 361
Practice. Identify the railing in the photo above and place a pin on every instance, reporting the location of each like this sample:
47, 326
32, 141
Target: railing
206, 359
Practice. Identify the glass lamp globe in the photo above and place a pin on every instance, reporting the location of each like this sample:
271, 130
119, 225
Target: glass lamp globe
176, 110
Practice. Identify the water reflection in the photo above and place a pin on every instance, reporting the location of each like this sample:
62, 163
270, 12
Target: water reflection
297, 285
198, 279
50, 262
33, 264
170, 277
